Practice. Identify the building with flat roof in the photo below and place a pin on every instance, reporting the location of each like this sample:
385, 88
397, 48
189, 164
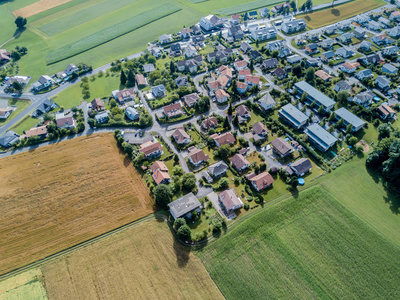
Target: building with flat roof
314, 95
321, 138
184, 206
293, 116
349, 118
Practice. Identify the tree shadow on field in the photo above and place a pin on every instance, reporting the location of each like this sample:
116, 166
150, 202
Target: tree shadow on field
5, 1
182, 254
307, 18
335, 12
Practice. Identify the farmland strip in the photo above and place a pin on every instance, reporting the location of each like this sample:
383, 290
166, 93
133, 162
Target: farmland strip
245, 7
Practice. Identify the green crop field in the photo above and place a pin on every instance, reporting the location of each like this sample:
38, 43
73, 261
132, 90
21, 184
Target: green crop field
246, 7
308, 246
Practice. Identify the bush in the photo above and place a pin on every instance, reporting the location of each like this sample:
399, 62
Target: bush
246, 206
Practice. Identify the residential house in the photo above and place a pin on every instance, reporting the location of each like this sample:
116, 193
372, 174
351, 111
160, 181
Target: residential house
198, 40
210, 22
294, 59
245, 47
43, 83
196, 30
389, 8
348, 68
311, 48
235, 32
5, 113
344, 25
219, 56
270, 63
314, 95
280, 73
132, 114
327, 56
40, 132
395, 16
364, 98
344, 52
197, 156
342, 86
329, 30
241, 87
158, 91
140, 80
190, 51
375, 26
229, 201
70, 69
9, 138
23, 80
284, 53
366, 73
175, 50
301, 167
359, 32
312, 62
349, 118
63, 121
365, 46
173, 110
264, 12
239, 162
293, 116
165, 39
389, 69
376, 12
243, 113
260, 132
281, 148
209, 122
321, 138
323, 75
218, 169
266, 102
190, 99
240, 65
181, 137
151, 149
147, 68
362, 19
156, 51
255, 55
243, 73
226, 138
190, 65
371, 59
385, 22
261, 181
181, 81
214, 86
185, 33
102, 117
382, 83
382, 39
386, 112
394, 32
184, 206
44, 107
5, 56
345, 38
275, 45
124, 95
390, 50
252, 80
235, 19
262, 33
221, 96
97, 104
293, 26
327, 43
277, 9
160, 173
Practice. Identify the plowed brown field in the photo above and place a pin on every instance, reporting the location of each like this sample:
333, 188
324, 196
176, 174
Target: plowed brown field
57, 196
38, 7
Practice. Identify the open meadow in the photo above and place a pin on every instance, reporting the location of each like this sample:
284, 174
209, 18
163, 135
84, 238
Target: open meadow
60, 195
308, 246
339, 12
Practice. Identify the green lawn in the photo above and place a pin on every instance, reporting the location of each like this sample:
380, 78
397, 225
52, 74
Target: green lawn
25, 124
308, 246
22, 105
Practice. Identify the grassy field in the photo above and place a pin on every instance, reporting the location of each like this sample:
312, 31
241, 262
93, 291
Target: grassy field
26, 123
21, 105
28, 285
309, 246
144, 261
63, 194
246, 7
331, 15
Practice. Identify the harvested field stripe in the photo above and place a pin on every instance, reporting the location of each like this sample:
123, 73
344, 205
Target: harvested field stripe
111, 33
245, 7
38, 7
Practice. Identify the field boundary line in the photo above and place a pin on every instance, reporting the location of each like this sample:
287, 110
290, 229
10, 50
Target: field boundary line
47, 259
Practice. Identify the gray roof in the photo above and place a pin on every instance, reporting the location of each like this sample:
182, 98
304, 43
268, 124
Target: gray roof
390, 68
382, 80
350, 118
184, 205
217, 168
315, 94
303, 165
319, 134
291, 112
329, 54
102, 115
9, 138
343, 85
148, 68
365, 72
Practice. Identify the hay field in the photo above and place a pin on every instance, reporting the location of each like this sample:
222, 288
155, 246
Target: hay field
306, 247
28, 285
340, 12
57, 196
38, 7
142, 262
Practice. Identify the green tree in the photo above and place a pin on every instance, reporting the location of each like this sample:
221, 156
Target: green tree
131, 78
176, 158
321, 110
17, 86
384, 131
352, 141
310, 75
303, 98
172, 67
184, 233
230, 109
342, 97
226, 124
189, 181
223, 183
340, 123
20, 22
349, 129
163, 195
123, 77
178, 223
224, 151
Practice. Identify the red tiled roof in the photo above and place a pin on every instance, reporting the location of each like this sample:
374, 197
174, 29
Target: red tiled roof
262, 180
252, 79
